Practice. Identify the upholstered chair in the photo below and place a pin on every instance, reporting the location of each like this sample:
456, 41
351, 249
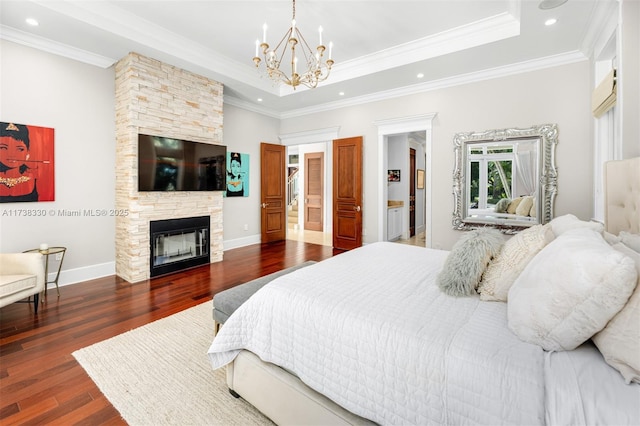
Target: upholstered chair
21, 276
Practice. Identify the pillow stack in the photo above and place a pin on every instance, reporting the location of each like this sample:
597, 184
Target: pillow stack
570, 291
565, 282
569, 285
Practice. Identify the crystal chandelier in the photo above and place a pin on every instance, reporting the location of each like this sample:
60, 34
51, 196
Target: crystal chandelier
317, 69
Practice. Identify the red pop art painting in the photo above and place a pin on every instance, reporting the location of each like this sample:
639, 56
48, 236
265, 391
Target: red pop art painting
26, 163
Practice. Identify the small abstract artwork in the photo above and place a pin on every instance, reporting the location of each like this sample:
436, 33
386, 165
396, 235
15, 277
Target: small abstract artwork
393, 176
26, 163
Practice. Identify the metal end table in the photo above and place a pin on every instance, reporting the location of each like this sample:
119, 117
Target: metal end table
46, 253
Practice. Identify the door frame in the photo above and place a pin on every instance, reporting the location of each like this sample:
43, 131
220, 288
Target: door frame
392, 126
319, 136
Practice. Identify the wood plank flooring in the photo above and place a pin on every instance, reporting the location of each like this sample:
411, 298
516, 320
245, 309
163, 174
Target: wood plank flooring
41, 382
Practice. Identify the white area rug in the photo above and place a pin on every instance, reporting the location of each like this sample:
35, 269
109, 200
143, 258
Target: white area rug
159, 374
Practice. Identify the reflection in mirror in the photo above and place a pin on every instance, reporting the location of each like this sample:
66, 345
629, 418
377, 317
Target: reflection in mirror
504, 178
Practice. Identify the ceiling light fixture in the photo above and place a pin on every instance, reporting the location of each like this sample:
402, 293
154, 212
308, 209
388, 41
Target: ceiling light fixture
317, 69
31, 21
550, 21
550, 4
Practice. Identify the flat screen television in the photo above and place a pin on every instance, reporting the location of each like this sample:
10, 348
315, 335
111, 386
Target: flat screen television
167, 164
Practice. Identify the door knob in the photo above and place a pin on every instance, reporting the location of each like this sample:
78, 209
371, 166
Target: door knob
357, 208
264, 205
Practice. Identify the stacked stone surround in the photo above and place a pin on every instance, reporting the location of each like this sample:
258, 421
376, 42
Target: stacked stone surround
158, 99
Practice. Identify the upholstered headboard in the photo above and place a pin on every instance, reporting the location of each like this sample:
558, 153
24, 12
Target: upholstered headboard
622, 195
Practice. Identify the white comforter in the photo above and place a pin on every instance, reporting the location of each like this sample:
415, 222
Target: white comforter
371, 330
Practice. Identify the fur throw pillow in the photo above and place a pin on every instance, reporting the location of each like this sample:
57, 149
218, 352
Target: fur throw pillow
502, 205
468, 260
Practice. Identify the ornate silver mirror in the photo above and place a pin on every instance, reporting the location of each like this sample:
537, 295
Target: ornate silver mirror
505, 178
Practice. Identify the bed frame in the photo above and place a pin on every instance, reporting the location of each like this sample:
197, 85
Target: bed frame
285, 399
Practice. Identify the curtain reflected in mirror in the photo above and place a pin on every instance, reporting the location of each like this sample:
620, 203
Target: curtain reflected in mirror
504, 178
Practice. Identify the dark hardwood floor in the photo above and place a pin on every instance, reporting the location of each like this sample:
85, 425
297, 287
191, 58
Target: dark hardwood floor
41, 382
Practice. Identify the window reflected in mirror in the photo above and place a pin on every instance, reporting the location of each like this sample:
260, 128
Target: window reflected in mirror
501, 177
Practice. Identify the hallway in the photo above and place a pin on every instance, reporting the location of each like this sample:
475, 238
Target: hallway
322, 238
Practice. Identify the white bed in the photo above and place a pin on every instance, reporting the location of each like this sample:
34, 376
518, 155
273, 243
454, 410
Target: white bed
368, 336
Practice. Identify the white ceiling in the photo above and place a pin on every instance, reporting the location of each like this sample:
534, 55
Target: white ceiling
379, 46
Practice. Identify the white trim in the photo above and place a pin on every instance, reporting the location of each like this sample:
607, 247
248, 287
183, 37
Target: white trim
473, 77
85, 273
47, 45
484, 31
241, 242
324, 136
250, 106
310, 136
392, 126
92, 272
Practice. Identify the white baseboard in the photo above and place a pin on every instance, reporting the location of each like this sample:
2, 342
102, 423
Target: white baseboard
85, 273
91, 272
242, 242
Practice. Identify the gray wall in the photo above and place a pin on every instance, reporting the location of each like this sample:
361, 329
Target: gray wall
78, 101
557, 95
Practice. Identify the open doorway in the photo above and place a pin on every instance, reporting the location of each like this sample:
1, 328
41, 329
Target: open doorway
406, 201
307, 198
411, 132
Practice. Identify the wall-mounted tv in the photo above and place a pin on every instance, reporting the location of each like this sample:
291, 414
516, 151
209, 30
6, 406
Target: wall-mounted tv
167, 164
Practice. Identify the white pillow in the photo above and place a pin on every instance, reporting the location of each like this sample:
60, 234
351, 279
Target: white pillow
524, 207
511, 261
630, 240
611, 238
570, 290
467, 261
564, 223
619, 341
513, 205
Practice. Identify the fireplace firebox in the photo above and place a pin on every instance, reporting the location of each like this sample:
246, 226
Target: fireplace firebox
178, 244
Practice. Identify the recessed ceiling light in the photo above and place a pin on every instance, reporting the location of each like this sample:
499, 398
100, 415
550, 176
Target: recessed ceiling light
341, 93
550, 4
420, 75
259, 99
550, 21
33, 22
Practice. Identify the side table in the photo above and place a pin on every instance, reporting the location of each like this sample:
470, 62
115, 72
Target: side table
46, 253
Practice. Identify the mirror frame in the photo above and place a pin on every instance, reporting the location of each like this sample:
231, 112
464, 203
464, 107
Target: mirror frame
547, 135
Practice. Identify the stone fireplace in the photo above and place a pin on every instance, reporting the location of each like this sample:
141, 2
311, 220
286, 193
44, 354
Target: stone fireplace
159, 99
178, 244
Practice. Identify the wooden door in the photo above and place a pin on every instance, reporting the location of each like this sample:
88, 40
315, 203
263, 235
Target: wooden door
313, 191
273, 192
412, 192
347, 193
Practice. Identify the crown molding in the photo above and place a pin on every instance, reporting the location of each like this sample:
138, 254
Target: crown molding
478, 33
484, 31
499, 72
250, 106
115, 20
47, 45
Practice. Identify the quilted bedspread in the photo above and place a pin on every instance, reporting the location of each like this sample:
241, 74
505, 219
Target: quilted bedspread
371, 330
